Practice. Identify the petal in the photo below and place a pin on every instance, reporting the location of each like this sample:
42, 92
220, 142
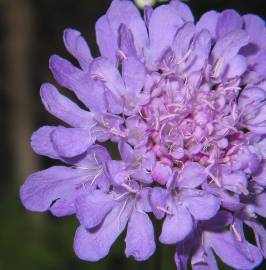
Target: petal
260, 204
161, 173
240, 255
260, 176
117, 171
228, 46
140, 237
182, 10
92, 208
142, 175
143, 201
192, 175
42, 144
105, 71
63, 71
90, 92
96, 156
63, 108
236, 67
235, 182
200, 50
42, 188
93, 245
219, 221
251, 96
78, 47
176, 227
148, 10
229, 20
70, 142
161, 31
255, 27
66, 206
106, 39
185, 33
208, 261
158, 198
208, 21
126, 42
260, 235
133, 72
200, 204
125, 12
182, 253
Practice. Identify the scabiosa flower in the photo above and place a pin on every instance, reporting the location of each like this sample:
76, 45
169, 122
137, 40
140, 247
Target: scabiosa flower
185, 103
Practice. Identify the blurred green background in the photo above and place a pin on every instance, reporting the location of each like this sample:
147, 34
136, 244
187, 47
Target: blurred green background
30, 31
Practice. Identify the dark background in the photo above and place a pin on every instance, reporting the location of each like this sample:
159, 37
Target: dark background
30, 31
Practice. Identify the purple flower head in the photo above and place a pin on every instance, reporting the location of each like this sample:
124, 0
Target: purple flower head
185, 103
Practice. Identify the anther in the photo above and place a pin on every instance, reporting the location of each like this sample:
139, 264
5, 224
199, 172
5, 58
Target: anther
129, 188
164, 210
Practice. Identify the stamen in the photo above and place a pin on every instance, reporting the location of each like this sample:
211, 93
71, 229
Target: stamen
121, 196
122, 54
164, 210
217, 68
96, 176
209, 104
118, 132
236, 233
122, 209
185, 57
97, 77
243, 189
214, 178
165, 117
129, 188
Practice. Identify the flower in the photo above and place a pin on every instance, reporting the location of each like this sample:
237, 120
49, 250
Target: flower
185, 104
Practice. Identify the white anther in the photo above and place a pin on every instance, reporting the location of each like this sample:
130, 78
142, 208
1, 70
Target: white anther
236, 233
122, 54
129, 188
185, 57
217, 68
164, 210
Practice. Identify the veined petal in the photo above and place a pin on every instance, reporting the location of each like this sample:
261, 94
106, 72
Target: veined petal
182, 10
63, 108
92, 208
200, 204
42, 144
176, 226
161, 31
133, 74
106, 39
93, 245
208, 21
232, 253
103, 70
158, 198
42, 188
208, 261
260, 204
183, 250
229, 20
192, 175
140, 241
260, 235
228, 46
78, 47
70, 142
125, 12
90, 92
